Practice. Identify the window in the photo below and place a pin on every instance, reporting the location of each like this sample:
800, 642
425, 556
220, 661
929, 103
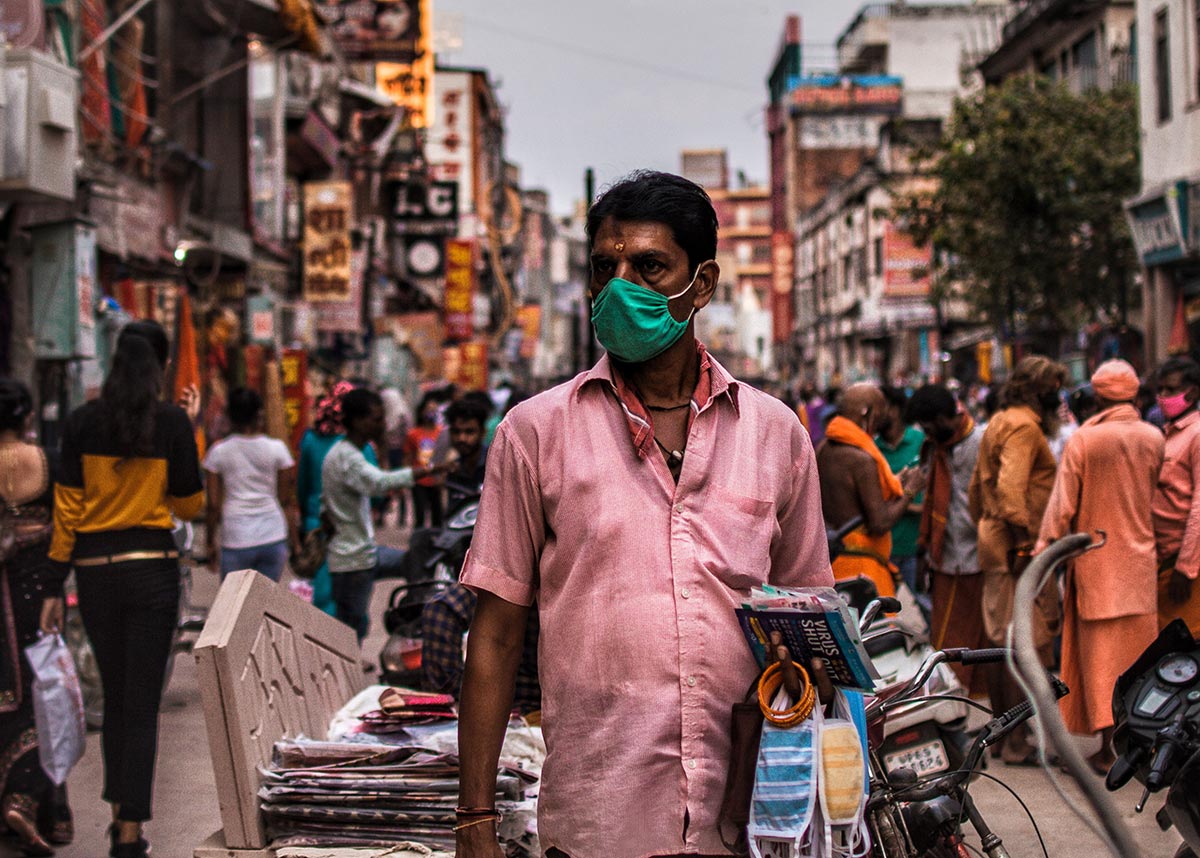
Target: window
1196, 33
1162, 66
743, 252
1085, 60
879, 257
1050, 69
761, 254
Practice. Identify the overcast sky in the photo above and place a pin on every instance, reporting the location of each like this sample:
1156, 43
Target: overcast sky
624, 84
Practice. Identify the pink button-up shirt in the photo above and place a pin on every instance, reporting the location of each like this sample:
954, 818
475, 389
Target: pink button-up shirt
636, 580
1176, 505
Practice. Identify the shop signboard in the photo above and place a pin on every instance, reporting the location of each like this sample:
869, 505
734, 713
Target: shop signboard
345, 317
429, 208
847, 94
373, 30
840, 132
466, 364
1193, 216
409, 85
449, 145
260, 319
1158, 231
905, 265
458, 302
782, 286
328, 215
529, 320
293, 371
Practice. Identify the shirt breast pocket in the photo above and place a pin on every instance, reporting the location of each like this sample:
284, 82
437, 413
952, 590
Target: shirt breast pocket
733, 537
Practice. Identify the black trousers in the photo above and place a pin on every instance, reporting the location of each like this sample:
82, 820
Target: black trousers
130, 612
427, 506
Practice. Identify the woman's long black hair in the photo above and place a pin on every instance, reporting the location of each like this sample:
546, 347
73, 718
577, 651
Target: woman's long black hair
130, 396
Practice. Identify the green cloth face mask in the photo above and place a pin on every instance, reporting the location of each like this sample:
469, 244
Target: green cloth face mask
634, 323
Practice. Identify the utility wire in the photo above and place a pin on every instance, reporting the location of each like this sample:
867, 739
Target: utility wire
626, 62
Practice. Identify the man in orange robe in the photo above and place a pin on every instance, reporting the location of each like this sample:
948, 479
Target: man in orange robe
1106, 482
856, 482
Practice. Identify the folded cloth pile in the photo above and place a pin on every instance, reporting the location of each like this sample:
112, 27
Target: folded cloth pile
400, 708
344, 794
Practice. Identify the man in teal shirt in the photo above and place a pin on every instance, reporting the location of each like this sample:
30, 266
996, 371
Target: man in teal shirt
901, 444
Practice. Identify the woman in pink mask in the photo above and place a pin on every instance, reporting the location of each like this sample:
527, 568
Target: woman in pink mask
1176, 506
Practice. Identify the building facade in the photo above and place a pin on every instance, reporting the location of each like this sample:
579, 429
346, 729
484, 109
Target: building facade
1083, 43
1165, 217
864, 301
738, 323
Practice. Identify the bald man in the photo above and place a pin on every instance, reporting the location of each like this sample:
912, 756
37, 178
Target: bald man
856, 481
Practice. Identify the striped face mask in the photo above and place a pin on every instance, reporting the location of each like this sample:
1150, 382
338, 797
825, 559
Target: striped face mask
785, 797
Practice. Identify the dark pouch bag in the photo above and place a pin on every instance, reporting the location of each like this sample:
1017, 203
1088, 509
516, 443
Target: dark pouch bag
746, 733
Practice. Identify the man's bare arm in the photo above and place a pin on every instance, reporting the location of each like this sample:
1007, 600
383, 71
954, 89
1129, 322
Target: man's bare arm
881, 516
493, 655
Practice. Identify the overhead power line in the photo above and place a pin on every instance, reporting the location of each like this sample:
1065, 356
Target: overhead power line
628, 62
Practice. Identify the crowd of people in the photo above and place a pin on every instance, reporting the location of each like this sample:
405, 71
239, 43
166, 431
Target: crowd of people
988, 491
621, 517
107, 507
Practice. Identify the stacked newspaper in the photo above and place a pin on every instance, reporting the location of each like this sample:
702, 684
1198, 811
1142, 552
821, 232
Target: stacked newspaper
814, 623
343, 794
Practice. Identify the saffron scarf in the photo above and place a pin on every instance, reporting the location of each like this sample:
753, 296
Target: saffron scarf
937, 495
844, 431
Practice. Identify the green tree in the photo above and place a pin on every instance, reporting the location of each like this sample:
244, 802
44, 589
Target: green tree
1028, 207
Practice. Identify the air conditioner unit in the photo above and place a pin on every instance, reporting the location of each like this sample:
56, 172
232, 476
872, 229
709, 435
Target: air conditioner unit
39, 127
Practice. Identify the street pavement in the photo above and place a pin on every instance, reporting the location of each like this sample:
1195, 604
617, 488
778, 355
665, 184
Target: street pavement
186, 810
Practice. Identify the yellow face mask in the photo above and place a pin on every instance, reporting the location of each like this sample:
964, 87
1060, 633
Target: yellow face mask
841, 772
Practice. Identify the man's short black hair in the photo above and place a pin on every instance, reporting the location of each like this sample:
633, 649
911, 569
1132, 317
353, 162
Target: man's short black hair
468, 409
1183, 365
655, 197
244, 406
357, 404
896, 396
929, 403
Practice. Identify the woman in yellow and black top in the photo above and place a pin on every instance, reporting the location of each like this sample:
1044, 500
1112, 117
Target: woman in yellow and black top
128, 463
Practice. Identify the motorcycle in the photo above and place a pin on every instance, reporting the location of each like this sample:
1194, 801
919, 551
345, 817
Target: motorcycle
434, 559
910, 813
1156, 704
927, 736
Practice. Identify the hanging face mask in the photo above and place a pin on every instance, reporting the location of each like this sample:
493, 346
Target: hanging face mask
844, 780
1173, 406
811, 785
634, 323
785, 797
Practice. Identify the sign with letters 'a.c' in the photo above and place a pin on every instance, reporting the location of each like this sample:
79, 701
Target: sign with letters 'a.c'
424, 209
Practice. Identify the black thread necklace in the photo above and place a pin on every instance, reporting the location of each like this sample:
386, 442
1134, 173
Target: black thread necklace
674, 457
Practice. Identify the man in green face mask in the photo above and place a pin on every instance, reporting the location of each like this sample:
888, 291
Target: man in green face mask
636, 504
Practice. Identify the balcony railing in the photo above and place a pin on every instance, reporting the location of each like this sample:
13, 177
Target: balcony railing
1120, 70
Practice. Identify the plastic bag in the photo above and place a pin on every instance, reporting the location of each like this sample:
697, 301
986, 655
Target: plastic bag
57, 706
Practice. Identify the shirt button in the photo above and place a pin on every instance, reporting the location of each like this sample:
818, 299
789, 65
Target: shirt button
691, 681
691, 764
679, 508
686, 593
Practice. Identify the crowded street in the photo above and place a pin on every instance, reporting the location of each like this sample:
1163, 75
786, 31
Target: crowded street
448, 429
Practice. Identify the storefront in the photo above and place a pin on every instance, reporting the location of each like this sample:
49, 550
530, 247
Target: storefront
1166, 230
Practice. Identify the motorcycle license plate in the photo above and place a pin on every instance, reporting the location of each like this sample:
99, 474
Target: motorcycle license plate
924, 759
